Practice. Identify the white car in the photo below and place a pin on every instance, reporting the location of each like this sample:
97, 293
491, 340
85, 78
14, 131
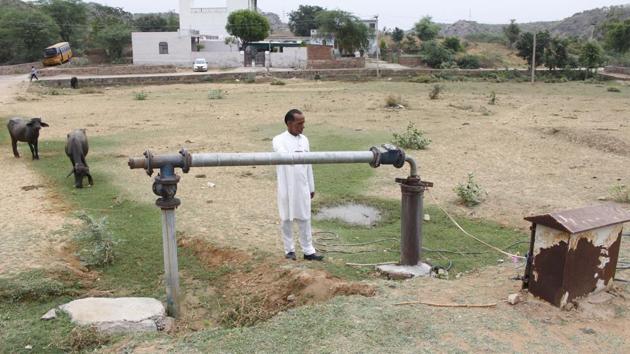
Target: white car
200, 64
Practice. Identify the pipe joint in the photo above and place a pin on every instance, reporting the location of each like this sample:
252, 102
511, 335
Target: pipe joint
387, 154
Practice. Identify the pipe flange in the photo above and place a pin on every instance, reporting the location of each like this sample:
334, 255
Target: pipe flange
149, 162
376, 162
187, 160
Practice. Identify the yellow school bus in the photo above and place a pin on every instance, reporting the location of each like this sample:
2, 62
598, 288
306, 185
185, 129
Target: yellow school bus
57, 54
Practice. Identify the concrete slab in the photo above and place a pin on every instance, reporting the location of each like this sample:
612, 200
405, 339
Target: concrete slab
116, 314
394, 271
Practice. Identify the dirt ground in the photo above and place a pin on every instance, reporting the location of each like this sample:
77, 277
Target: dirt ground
30, 221
540, 148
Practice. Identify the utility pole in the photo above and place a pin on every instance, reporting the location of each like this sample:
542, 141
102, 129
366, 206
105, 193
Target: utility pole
378, 50
534, 60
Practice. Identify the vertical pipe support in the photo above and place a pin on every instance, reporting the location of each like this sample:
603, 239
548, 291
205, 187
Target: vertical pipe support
165, 186
411, 217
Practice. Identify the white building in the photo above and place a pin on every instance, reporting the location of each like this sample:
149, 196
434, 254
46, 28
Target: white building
209, 17
202, 35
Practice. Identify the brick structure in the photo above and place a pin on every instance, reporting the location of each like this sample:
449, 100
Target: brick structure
341, 63
410, 60
319, 52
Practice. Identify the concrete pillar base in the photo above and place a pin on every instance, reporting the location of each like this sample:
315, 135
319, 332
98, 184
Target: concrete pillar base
394, 271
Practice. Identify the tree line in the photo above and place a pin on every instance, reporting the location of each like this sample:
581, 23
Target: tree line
27, 28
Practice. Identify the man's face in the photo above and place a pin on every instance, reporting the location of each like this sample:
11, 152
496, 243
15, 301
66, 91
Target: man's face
296, 127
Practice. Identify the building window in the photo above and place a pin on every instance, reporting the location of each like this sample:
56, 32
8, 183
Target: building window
163, 48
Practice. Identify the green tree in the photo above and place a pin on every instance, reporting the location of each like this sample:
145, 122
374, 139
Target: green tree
24, 33
349, 32
410, 44
591, 56
525, 45
617, 36
512, 33
151, 23
434, 54
426, 30
304, 19
398, 35
556, 54
249, 26
114, 39
70, 16
453, 43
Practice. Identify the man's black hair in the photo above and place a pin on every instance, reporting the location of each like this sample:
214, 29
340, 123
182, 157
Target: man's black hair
290, 117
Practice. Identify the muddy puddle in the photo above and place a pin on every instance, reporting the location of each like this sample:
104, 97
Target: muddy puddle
353, 214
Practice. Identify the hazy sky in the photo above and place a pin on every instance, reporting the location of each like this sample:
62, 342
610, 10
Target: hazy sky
403, 13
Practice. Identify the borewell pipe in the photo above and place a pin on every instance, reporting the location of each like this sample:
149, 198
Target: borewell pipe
165, 186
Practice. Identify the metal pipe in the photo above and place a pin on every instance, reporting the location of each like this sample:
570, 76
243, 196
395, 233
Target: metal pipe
275, 158
411, 221
253, 159
413, 166
171, 268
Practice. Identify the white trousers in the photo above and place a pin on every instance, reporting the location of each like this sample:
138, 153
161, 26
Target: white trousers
306, 236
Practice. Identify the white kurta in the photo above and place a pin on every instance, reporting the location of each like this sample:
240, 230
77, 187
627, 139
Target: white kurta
295, 183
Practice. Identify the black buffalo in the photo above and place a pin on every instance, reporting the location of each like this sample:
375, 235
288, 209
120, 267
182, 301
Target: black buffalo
26, 131
77, 150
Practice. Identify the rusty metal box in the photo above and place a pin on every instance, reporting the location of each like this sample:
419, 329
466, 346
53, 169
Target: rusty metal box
574, 253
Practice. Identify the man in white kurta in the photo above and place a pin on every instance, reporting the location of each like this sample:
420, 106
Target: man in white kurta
296, 188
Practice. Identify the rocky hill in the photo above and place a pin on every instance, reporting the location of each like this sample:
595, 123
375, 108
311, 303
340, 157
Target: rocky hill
581, 24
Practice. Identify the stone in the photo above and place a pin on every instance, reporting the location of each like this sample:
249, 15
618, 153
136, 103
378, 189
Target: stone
514, 299
28, 347
116, 314
50, 315
394, 271
127, 327
427, 217
291, 298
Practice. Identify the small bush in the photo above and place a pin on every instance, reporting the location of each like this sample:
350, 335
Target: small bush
434, 54
393, 102
95, 241
435, 92
277, 82
216, 94
140, 96
84, 339
411, 139
620, 193
470, 193
493, 98
613, 89
469, 61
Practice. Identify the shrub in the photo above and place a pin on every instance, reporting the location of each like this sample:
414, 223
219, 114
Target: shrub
620, 193
434, 54
435, 92
393, 102
470, 193
613, 89
493, 98
412, 138
277, 82
469, 61
215, 94
95, 241
140, 96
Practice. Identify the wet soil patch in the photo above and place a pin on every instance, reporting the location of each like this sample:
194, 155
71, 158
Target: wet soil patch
352, 214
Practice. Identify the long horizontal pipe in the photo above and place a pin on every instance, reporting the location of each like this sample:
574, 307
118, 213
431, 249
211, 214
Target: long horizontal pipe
263, 158
258, 158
